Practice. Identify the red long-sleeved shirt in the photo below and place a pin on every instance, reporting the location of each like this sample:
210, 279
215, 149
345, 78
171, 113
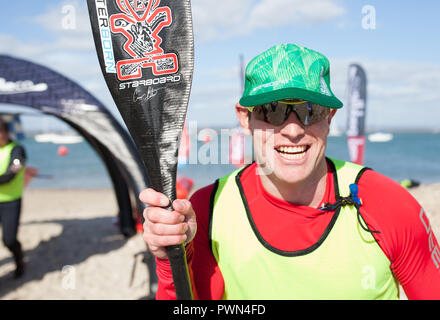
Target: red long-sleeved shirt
405, 237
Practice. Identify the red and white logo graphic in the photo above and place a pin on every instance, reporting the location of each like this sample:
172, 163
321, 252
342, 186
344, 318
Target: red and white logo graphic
356, 149
237, 148
140, 22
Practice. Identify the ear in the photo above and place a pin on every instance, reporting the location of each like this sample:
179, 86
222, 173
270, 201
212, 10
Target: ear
332, 114
243, 118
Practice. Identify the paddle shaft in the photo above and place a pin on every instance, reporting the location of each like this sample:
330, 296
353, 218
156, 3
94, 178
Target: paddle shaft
179, 270
146, 54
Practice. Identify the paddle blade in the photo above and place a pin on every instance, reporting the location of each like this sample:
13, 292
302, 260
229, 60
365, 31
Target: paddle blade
145, 49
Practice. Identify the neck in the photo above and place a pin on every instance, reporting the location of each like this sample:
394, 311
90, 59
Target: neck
3, 143
308, 192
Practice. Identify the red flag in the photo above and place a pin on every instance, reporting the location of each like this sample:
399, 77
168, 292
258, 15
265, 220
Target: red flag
356, 148
184, 146
237, 148
356, 113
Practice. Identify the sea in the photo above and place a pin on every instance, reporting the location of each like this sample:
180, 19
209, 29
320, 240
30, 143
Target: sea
413, 156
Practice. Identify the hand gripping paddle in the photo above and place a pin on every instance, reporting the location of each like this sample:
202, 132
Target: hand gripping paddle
146, 52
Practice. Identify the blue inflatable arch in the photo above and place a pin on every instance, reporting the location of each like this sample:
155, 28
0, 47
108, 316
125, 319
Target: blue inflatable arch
28, 84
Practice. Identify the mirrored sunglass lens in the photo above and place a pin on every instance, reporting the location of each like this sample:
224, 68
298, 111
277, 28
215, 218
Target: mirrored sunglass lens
310, 113
318, 113
277, 115
302, 113
259, 113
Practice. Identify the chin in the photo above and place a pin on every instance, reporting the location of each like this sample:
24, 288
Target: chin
290, 176
293, 171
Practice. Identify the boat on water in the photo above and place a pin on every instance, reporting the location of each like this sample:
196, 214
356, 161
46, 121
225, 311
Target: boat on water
58, 138
380, 137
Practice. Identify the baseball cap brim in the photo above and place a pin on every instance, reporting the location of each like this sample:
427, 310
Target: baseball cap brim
291, 93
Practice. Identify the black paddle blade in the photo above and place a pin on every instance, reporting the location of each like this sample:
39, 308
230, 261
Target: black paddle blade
146, 52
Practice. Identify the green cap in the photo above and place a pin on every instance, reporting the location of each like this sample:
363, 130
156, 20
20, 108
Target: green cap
289, 71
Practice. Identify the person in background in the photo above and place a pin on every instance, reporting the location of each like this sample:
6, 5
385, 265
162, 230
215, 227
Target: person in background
12, 171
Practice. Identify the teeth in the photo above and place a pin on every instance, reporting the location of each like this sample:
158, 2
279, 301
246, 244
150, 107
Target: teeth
298, 149
292, 153
295, 156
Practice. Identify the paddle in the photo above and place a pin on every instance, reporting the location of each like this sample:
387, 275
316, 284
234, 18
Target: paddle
146, 53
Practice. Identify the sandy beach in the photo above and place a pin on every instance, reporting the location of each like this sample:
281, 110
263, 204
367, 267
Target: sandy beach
74, 250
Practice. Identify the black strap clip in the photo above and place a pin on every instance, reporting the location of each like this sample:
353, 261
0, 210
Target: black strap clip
352, 200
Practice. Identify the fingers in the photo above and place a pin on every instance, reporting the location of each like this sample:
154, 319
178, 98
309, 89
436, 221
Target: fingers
160, 229
182, 206
159, 215
153, 198
156, 199
163, 227
159, 243
170, 231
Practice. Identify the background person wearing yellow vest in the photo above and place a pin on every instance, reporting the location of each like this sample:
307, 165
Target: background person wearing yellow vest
12, 167
295, 224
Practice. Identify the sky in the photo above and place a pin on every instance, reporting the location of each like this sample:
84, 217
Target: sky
397, 43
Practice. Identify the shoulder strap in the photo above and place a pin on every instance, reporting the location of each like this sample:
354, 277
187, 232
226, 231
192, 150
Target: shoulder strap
218, 187
346, 176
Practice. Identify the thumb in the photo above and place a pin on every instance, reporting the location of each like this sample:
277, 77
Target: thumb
184, 207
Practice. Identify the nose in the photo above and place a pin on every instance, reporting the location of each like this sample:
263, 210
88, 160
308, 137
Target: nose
292, 127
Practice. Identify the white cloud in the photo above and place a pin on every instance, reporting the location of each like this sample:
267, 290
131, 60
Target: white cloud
214, 19
69, 23
68, 16
224, 19
393, 85
57, 38
400, 80
70, 51
270, 13
400, 93
8, 41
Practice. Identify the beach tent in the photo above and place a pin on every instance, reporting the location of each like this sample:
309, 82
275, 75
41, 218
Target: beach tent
28, 84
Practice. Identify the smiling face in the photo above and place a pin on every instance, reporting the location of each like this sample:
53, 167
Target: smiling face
290, 154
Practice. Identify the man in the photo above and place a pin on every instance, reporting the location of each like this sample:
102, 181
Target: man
12, 167
295, 224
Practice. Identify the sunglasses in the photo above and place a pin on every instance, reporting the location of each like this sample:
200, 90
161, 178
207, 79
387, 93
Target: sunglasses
277, 112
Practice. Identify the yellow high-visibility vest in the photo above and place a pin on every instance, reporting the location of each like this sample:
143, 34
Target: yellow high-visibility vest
345, 263
13, 189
